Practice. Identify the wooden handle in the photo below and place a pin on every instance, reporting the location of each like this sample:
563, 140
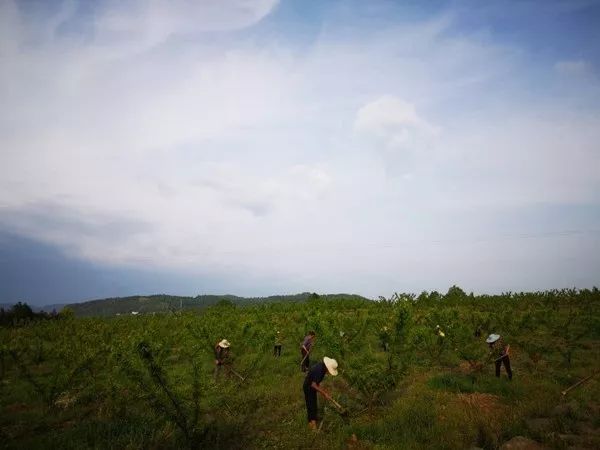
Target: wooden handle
336, 403
565, 392
237, 374
305, 356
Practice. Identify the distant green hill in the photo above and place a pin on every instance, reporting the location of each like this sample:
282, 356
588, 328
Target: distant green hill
162, 303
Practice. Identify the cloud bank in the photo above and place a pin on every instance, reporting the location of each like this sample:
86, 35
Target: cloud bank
176, 136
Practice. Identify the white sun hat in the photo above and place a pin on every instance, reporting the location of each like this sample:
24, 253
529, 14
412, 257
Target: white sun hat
492, 338
331, 365
224, 343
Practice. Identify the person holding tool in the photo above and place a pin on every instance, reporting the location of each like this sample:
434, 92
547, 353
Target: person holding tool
305, 349
222, 357
500, 349
311, 386
384, 338
278, 344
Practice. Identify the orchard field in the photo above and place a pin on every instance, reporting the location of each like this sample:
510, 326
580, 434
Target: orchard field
147, 381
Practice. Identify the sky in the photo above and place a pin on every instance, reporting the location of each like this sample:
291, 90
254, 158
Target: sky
260, 147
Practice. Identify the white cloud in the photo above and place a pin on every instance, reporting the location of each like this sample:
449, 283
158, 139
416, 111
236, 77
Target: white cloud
180, 16
399, 133
143, 24
250, 157
389, 115
263, 195
396, 125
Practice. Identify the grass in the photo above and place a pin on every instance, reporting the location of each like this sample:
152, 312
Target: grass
428, 401
458, 383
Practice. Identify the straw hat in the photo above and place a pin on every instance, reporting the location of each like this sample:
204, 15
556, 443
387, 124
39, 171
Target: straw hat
224, 343
492, 338
331, 365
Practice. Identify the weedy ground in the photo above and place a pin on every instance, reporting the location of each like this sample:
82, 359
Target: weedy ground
147, 381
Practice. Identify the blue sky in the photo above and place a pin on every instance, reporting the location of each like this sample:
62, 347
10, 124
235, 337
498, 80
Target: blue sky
257, 147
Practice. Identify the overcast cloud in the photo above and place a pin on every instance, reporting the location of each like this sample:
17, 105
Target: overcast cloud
352, 147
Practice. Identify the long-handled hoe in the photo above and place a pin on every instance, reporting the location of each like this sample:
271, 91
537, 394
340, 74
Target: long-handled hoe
340, 409
343, 412
321, 425
505, 354
566, 391
501, 358
236, 374
303, 359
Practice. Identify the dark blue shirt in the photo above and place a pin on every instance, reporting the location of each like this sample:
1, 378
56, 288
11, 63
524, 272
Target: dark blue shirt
316, 374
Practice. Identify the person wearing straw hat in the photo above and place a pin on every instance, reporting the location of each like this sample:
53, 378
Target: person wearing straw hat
221, 355
312, 385
278, 344
384, 338
439, 332
500, 350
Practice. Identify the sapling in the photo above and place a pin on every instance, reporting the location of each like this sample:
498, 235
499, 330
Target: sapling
164, 399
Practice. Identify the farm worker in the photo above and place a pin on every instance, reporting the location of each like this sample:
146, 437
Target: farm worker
311, 386
384, 337
439, 331
277, 348
305, 349
221, 355
499, 349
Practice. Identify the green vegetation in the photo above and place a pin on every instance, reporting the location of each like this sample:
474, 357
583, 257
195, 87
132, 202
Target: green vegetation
172, 303
147, 381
